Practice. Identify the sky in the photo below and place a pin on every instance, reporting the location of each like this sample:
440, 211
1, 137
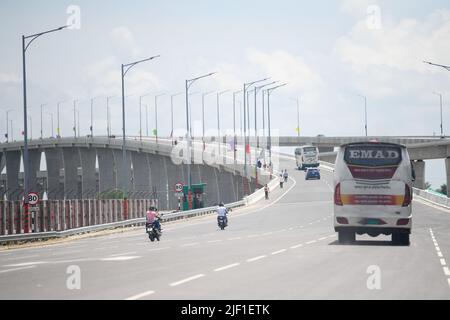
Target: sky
329, 52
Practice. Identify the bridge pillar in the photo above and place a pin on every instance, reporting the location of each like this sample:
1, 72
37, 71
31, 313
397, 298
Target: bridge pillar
53, 158
141, 175
419, 169
226, 186
106, 173
209, 176
118, 161
447, 167
159, 179
35, 165
71, 160
12, 174
88, 173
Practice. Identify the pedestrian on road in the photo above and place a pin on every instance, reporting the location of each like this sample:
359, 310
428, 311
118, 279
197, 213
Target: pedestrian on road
285, 176
266, 191
281, 181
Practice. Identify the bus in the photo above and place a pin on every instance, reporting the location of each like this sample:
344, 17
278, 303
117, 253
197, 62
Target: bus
307, 157
373, 192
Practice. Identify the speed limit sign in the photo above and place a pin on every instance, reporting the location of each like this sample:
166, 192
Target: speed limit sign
178, 187
33, 198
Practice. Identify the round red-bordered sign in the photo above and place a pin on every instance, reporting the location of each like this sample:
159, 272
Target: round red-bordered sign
33, 198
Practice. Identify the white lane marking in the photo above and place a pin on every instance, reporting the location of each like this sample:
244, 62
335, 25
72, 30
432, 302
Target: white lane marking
256, 258
25, 264
297, 246
279, 251
323, 238
227, 267
174, 284
252, 236
443, 262
66, 252
189, 244
267, 233
121, 258
17, 269
214, 241
106, 248
311, 242
236, 238
448, 280
291, 228
310, 223
141, 295
446, 271
158, 249
439, 254
438, 249
122, 254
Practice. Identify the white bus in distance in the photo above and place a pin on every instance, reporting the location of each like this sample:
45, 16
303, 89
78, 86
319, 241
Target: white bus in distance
372, 191
307, 157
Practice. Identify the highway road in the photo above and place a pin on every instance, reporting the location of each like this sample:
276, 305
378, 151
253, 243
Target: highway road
284, 248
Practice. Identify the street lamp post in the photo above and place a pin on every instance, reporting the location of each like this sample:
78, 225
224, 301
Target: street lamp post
203, 116
31, 127
438, 65
246, 86
7, 125
441, 103
125, 69
42, 132
218, 118
26, 167
140, 114
171, 113
297, 100
51, 116
365, 112
268, 116
92, 116
234, 124
75, 118
108, 117
188, 84
58, 128
156, 115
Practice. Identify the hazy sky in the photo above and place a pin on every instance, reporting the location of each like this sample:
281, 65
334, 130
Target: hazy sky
328, 51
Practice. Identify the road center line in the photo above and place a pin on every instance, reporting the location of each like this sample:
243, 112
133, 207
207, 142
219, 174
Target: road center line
311, 242
141, 295
122, 254
174, 284
257, 258
297, 246
279, 251
227, 267
17, 269
443, 262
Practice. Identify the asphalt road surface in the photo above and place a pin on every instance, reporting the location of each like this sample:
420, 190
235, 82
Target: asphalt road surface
283, 248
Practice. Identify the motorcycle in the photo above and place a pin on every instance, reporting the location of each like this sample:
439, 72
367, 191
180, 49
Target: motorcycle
222, 222
153, 232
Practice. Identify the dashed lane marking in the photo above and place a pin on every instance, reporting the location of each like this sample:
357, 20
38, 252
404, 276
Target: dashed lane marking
226, 267
17, 269
141, 295
256, 258
174, 284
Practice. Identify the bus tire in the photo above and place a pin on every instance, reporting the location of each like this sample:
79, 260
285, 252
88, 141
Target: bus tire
400, 239
346, 237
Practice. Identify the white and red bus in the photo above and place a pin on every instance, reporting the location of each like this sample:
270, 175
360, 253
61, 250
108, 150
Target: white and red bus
373, 191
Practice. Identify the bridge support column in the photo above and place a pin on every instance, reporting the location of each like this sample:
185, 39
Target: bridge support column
447, 167
141, 175
159, 179
419, 169
54, 162
106, 174
12, 174
88, 174
118, 160
35, 164
71, 159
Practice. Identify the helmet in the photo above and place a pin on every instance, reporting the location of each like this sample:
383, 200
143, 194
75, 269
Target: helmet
221, 204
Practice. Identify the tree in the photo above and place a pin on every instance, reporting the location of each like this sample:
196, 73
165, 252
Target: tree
427, 185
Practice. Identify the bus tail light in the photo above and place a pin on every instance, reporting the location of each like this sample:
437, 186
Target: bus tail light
402, 222
408, 196
337, 195
342, 220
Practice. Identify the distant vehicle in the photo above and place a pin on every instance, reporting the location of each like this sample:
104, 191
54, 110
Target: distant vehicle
307, 157
372, 191
312, 173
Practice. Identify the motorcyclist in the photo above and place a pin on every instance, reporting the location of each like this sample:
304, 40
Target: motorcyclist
222, 211
153, 218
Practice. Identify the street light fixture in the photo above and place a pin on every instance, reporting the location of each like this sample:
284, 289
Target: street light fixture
441, 100
25, 45
438, 65
171, 113
7, 125
203, 115
234, 124
246, 86
297, 100
268, 115
125, 69
365, 112
42, 133
156, 114
188, 84
75, 118
218, 118
140, 114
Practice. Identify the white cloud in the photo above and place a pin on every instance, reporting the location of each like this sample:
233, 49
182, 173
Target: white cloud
401, 46
124, 42
355, 7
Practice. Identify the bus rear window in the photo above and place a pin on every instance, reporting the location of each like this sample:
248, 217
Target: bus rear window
309, 150
373, 155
